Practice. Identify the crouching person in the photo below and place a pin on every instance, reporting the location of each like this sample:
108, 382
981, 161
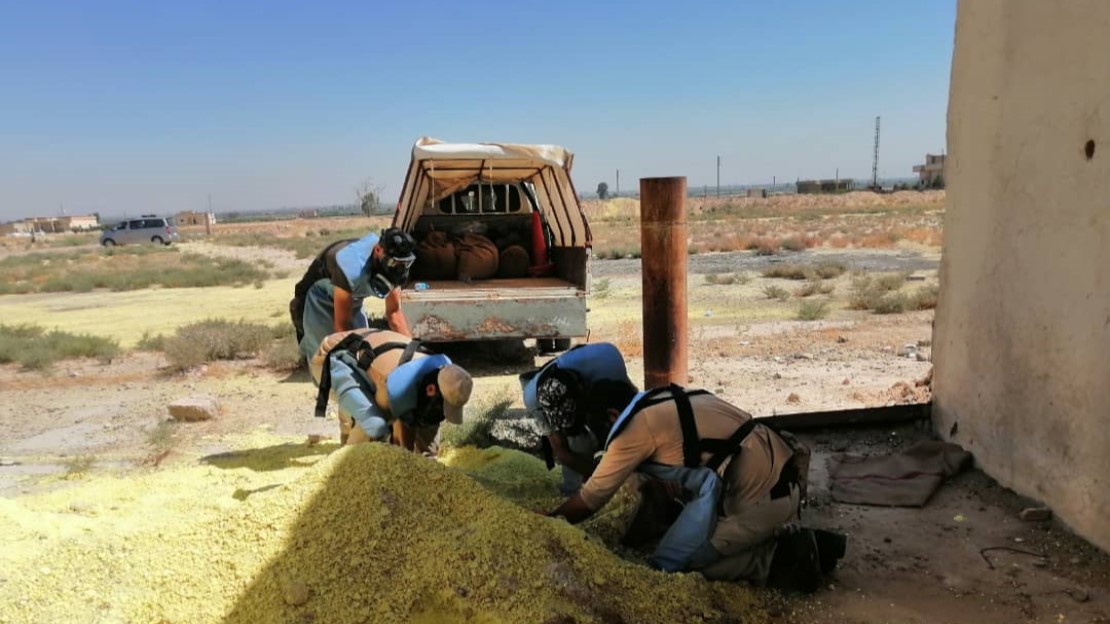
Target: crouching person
388, 387
556, 396
738, 484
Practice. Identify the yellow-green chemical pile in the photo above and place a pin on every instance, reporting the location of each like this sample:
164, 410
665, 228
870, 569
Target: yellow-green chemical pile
365, 534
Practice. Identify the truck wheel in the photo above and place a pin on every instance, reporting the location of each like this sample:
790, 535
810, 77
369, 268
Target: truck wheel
157, 240
109, 242
553, 345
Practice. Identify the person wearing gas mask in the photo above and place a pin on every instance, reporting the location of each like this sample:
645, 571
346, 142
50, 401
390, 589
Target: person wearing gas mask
389, 387
736, 486
555, 396
329, 297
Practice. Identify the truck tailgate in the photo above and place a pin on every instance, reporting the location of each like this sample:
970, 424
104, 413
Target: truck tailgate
545, 307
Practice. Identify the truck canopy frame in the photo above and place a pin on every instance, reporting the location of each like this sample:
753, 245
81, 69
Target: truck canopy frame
439, 169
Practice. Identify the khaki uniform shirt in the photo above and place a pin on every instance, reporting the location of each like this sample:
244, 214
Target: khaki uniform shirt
654, 434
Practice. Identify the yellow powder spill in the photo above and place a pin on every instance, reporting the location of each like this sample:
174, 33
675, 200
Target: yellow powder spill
365, 534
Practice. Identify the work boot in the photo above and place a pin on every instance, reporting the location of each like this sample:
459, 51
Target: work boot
795, 566
830, 548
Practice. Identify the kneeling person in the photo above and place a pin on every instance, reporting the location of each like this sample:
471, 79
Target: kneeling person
738, 482
388, 387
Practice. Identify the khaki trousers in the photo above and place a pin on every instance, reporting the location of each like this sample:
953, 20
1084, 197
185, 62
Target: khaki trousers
745, 537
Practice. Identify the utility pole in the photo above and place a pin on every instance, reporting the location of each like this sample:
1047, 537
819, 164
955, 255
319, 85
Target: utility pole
618, 183
718, 176
875, 160
208, 218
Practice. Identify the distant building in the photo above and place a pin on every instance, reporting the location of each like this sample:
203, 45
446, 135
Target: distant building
757, 192
15, 227
812, 187
195, 218
75, 223
79, 223
932, 171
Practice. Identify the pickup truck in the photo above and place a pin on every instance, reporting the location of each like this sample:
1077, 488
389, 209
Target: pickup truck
515, 194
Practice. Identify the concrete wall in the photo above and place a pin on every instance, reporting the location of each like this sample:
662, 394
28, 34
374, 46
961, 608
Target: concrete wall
1022, 337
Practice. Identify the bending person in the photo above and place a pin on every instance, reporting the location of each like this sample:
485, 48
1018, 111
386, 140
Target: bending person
388, 387
329, 297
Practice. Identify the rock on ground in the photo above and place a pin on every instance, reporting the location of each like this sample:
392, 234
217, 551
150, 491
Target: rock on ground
195, 408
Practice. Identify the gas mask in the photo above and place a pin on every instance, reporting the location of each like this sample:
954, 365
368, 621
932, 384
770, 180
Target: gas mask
389, 273
392, 269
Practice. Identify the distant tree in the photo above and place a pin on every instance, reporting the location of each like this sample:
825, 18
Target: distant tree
369, 197
602, 190
938, 182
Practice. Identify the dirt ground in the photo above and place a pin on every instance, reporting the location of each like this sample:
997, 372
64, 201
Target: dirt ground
903, 565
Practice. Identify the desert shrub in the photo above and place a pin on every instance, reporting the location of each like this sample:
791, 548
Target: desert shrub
829, 270
629, 340
215, 339
814, 287
890, 281
878, 293
822, 270
811, 310
776, 292
151, 342
726, 279
788, 271
926, 297
285, 355
34, 348
765, 247
794, 244
891, 303
601, 288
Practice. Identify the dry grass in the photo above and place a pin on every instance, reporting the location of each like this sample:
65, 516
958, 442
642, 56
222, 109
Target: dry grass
823, 270
215, 339
773, 291
812, 310
34, 348
883, 294
726, 279
130, 268
814, 287
630, 339
783, 224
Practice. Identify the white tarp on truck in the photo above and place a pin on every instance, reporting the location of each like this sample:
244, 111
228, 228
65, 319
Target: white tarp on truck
439, 169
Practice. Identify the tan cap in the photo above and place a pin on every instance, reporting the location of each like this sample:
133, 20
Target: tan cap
455, 385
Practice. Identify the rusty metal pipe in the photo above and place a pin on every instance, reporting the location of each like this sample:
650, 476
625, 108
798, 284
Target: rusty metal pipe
663, 267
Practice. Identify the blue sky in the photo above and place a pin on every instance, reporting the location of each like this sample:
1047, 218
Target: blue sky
151, 106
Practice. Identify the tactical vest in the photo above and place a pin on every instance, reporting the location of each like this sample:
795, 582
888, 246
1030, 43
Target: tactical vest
719, 449
390, 386
592, 362
352, 261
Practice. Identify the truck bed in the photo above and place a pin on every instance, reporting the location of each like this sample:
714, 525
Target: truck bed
547, 307
490, 289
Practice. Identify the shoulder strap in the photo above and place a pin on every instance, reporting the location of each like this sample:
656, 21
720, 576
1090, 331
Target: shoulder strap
722, 449
691, 453
351, 342
693, 446
411, 349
